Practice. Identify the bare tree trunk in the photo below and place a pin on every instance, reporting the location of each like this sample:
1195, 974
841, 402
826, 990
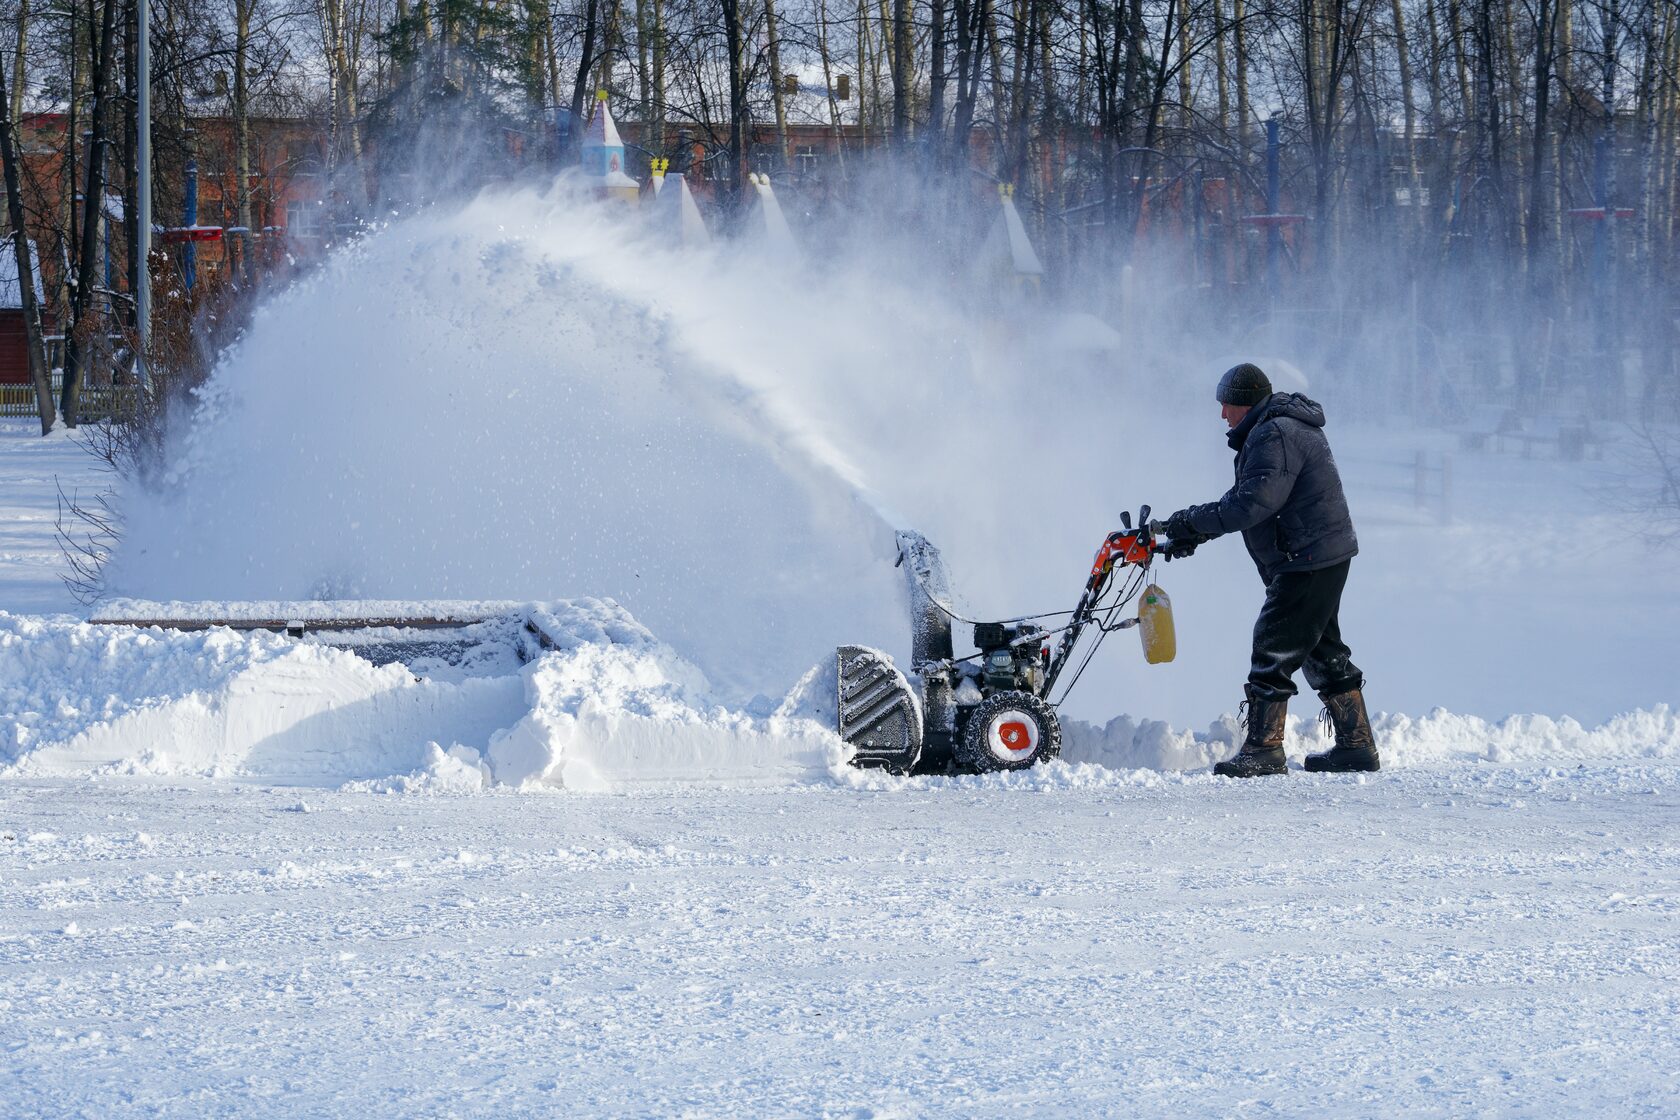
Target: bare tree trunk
1646, 115
1545, 55
348, 79
1493, 132
737, 95
580, 85
644, 93
612, 42
863, 48
936, 85
994, 50
1455, 33
243, 10
1403, 54
20, 61
1185, 116
1606, 293
1669, 181
76, 349
1219, 66
135, 272
659, 75
34, 340
1565, 86
967, 14
329, 14
1239, 45
902, 77
776, 92
551, 59
1514, 114
828, 85
1442, 167
1020, 100
68, 243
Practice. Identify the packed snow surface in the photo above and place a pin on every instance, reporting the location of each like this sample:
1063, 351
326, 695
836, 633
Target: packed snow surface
1462, 940
34, 471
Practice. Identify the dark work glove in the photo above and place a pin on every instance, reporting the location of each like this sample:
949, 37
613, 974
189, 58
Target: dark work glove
1182, 538
1178, 527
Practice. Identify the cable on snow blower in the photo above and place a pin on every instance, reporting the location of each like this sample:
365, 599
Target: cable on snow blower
993, 710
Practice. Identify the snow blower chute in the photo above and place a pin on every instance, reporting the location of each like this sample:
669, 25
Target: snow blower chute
992, 710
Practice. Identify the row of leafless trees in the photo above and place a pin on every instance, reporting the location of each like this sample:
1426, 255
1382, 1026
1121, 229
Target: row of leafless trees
1518, 156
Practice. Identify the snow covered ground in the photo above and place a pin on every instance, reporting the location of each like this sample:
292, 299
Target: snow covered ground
32, 469
1465, 940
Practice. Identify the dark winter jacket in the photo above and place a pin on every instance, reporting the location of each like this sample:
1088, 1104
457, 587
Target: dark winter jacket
1288, 501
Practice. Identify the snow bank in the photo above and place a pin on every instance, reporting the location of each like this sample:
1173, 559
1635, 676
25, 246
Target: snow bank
82, 698
609, 707
1441, 736
615, 708
606, 707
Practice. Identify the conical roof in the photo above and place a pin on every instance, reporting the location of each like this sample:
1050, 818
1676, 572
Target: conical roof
767, 217
679, 213
1008, 241
602, 132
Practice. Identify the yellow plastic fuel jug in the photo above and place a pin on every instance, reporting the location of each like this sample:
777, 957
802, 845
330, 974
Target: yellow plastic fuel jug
1155, 626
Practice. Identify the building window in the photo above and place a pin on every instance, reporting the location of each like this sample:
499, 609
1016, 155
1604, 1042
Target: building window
807, 160
304, 156
303, 219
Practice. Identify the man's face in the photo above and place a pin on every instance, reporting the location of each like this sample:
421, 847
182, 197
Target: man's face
1233, 413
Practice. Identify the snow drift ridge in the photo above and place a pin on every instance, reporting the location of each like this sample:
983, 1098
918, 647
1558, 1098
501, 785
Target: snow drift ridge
611, 708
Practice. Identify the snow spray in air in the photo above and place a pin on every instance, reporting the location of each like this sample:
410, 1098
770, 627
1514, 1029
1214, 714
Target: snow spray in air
530, 397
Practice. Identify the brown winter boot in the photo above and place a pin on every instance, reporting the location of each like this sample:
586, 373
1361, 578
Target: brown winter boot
1262, 749
1356, 747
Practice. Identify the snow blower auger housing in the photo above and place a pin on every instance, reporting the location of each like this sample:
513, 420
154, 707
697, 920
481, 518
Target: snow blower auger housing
991, 710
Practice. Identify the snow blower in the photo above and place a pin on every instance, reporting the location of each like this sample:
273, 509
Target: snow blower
993, 710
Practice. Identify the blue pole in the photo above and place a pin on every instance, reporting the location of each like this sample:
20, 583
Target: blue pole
1274, 233
189, 254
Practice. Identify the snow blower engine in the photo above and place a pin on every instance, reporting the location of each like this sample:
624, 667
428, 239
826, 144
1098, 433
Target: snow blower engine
993, 710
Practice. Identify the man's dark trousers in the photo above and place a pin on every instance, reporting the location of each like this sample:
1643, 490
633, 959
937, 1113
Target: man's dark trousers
1298, 629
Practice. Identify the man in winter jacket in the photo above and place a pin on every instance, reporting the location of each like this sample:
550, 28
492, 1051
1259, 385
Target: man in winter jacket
1288, 505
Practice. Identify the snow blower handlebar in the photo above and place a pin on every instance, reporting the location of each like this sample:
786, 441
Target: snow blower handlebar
1122, 548
1134, 546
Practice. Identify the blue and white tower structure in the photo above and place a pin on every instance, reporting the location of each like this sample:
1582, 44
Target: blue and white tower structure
601, 156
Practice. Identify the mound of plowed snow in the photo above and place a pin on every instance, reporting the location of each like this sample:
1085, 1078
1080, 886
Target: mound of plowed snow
609, 707
602, 705
1441, 736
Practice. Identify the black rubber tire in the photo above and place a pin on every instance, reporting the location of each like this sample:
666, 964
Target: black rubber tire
974, 752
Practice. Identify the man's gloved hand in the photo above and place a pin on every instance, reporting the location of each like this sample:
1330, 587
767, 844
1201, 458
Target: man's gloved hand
1182, 538
1178, 549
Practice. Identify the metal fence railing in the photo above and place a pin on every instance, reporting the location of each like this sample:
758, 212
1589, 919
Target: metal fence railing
95, 402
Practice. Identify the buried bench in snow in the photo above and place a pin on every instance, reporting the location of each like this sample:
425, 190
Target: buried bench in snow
382, 631
573, 693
